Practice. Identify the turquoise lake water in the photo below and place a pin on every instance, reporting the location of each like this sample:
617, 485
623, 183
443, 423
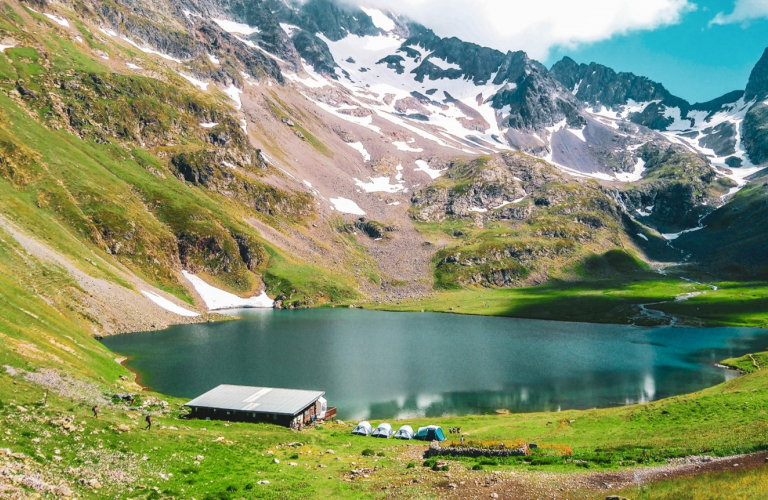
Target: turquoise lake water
385, 365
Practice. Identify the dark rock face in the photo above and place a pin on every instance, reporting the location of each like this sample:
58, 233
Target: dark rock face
314, 51
599, 85
757, 87
538, 101
755, 133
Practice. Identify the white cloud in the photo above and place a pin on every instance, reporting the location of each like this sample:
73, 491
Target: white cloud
744, 11
537, 26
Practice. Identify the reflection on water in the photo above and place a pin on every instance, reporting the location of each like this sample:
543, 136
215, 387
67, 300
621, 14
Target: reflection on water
383, 365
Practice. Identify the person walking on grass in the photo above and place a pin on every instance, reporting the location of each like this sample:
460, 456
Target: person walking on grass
148, 419
95, 410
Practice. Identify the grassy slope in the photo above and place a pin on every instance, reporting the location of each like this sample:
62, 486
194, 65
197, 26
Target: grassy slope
79, 196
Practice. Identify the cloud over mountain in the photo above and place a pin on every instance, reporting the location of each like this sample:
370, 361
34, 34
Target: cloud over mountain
744, 11
537, 27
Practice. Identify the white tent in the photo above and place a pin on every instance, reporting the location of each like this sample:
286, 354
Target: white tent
383, 431
364, 428
405, 432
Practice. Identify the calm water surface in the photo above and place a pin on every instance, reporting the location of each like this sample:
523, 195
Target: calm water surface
382, 365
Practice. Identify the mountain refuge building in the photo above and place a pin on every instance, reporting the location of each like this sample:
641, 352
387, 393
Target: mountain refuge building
237, 403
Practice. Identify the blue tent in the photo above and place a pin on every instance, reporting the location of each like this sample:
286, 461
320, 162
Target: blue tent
430, 433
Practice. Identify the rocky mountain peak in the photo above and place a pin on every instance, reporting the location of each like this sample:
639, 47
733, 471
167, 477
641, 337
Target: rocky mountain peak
758, 79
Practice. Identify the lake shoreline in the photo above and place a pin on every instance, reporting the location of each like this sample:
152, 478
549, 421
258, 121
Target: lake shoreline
399, 383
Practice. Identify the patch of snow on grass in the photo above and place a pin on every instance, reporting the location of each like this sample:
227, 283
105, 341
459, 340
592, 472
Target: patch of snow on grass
108, 32
358, 146
478, 210
194, 81
3, 47
346, 206
132, 66
235, 27
380, 20
168, 305
234, 94
214, 59
209, 125
423, 166
58, 20
643, 236
149, 50
216, 299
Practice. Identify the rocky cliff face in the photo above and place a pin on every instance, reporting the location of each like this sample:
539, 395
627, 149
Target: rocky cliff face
757, 87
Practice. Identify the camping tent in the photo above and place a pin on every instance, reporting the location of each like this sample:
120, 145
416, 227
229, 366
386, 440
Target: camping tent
430, 433
383, 431
363, 429
405, 432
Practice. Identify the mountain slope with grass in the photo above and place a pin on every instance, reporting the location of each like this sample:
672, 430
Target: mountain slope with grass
318, 154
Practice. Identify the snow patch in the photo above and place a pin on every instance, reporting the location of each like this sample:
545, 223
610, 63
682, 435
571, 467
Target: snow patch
643, 236
380, 20
132, 66
403, 146
234, 94
58, 20
358, 146
209, 125
214, 59
423, 166
145, 49
216, 299
478, 210
443, 64
633, 176
578, 132
235, 27
168, 305
3, 47
289, 28
382, 184
674, 236
194, 81
346, 206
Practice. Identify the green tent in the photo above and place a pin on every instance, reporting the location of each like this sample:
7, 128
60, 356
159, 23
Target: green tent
430, 433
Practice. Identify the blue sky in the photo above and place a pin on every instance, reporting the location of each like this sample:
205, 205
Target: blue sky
694, 61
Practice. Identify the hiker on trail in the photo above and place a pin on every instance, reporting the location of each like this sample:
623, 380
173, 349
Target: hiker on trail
462, 439
95, 411
501, 446
148, 419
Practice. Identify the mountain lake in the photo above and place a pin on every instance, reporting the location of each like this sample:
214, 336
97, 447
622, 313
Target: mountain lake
400, 365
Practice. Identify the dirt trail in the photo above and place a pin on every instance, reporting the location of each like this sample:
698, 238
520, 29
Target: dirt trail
525, 485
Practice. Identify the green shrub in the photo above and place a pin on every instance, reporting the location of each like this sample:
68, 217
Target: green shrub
477, 467
368, 452
410, 465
